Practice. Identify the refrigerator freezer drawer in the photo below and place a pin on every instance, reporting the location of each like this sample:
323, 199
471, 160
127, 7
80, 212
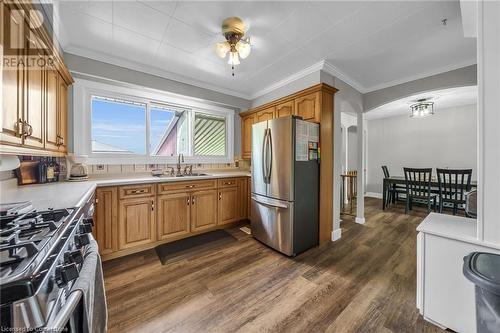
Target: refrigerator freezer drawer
272, 223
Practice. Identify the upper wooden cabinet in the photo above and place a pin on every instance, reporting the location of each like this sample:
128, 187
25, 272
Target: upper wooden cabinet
34, 96
266, 114
246, 136
285, 109
308, 107
306, 104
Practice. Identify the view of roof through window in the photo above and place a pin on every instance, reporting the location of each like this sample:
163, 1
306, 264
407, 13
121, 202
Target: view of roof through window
209, 135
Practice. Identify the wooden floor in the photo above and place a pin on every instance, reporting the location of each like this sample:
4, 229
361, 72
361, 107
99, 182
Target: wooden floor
364, 282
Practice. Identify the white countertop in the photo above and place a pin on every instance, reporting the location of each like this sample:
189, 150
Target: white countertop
453, 227
75, 194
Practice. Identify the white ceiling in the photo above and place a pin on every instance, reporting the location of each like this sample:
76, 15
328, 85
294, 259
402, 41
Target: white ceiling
443, 99
370, 44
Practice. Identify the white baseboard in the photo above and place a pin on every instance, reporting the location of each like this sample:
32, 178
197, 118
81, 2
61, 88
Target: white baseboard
373, 195
336, 234
360, 220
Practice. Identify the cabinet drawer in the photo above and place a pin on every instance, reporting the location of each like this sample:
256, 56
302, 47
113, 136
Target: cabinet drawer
226, 182
186, 186
137, 191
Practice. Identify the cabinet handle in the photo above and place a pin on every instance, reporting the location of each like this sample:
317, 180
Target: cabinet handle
138, 191
152, 205
220, 196
192, 200
187, 201
190, 186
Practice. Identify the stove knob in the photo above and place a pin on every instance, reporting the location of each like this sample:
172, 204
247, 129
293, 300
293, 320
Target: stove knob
66, 273
89, 220
75, 257
85, 228
82, 240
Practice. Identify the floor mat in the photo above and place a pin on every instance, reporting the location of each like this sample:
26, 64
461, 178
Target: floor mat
193, 246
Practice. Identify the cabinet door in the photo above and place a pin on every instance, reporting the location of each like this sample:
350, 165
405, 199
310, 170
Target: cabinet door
51, 116
308, 107
249, 197
34, 110
246, 136
105, 219
62, 112
136, 222
228, 205
266, 114
173, 215
242, 198
285, 109
203, 210
12, 82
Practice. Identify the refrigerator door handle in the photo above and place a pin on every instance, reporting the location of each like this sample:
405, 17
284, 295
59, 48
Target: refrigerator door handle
264, 156
275, 205
270, 155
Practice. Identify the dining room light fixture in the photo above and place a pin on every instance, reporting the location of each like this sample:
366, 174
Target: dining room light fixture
233, 30
423, 108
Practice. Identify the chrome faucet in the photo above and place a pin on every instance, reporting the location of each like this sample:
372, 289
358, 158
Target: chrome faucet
179, 159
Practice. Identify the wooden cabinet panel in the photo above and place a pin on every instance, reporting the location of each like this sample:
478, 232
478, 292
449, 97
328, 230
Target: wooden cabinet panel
62, 112
266, 114
249, 197
137, 191
34, 110
285, 109
173, 217
246, 136
51, 116
228, 205
187, 186
242, 198
105, 219
227, 182
203, 210
308, 107
12, 82
136, 222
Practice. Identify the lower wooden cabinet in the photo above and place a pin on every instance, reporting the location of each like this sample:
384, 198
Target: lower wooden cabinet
106, 218
173, 215
228, 205
203, 210
133, 218
136, 223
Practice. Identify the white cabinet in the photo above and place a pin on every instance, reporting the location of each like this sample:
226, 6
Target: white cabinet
444, 296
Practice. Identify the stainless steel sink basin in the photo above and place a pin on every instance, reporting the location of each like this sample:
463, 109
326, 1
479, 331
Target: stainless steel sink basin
194, 174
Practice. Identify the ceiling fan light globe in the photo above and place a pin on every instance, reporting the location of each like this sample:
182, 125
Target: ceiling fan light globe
222, 48
243, 49
233, 59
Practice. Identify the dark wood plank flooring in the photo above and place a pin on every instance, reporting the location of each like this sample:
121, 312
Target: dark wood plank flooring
364, 282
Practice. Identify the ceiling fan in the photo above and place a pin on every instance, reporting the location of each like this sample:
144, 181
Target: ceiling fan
233, 30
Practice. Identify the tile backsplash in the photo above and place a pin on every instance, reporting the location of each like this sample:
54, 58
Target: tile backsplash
141, 168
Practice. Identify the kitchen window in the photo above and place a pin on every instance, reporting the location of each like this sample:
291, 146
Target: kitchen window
126, 125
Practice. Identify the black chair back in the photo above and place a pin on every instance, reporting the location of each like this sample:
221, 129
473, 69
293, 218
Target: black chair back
453, 183
386, 171
418, 181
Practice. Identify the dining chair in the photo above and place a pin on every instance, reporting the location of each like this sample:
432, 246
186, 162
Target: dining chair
394, 190
453, 184
418, 186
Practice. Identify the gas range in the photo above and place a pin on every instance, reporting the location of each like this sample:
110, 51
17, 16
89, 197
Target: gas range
41, 254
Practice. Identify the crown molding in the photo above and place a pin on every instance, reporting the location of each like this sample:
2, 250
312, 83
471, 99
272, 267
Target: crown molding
120, 62
334, 71
407, 79
283, 82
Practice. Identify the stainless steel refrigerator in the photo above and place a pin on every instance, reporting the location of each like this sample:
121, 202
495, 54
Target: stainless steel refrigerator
285, 184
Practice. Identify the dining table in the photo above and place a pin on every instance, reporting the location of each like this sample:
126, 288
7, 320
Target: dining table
400, 180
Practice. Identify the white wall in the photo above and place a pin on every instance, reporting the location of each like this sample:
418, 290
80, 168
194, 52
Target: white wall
352, 148
446, 139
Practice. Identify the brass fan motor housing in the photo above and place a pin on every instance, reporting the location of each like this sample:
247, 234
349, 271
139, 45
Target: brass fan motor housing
233, 30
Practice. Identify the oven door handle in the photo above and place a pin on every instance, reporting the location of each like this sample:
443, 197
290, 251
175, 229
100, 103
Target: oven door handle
59, 323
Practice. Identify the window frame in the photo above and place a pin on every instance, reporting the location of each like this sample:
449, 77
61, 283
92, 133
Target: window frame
84, 90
